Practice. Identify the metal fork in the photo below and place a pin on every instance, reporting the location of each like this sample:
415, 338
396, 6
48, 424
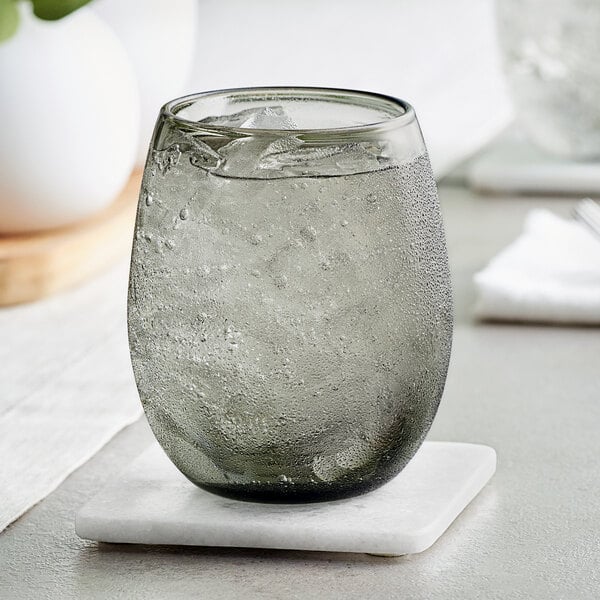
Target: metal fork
588, 212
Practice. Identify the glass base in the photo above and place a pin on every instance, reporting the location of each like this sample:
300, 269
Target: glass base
291, 493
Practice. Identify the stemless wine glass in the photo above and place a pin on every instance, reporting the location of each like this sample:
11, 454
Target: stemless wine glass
290, 312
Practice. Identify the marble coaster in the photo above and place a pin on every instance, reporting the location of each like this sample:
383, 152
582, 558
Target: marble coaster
153, 503
512, 165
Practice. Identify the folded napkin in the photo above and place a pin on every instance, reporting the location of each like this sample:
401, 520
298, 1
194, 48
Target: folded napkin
66, 387
551, 273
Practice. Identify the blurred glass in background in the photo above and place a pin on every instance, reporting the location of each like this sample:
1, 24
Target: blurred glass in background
551, 52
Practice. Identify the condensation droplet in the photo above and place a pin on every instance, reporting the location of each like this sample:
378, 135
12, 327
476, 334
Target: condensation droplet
281, 281
309, 233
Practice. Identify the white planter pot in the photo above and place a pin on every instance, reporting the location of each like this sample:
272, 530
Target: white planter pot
69, 121
159, 36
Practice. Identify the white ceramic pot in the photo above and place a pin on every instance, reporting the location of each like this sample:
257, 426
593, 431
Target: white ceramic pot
159, 36
69, 121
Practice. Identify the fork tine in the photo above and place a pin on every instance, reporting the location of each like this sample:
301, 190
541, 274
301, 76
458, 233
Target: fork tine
588, 212
592, 209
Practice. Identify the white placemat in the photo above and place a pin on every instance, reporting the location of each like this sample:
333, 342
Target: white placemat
153, 503
66, 387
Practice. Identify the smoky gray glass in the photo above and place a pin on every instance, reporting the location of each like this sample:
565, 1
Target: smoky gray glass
290, 310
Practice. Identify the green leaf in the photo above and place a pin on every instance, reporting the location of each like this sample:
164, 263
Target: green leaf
9, 19
52, 10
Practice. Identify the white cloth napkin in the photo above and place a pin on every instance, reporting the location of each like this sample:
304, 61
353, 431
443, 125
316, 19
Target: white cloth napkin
551, 273
66, 387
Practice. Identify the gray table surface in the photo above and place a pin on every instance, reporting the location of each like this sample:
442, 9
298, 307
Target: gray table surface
531, 392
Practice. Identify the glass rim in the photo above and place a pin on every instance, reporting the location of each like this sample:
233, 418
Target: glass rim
405, 117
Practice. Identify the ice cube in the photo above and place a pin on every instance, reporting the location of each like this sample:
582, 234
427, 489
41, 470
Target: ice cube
269, 117
201, 154
240, 157
287, 155
293, 157
232, 120
266, 117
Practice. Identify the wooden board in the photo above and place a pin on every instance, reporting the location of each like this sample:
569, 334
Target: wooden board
35, 265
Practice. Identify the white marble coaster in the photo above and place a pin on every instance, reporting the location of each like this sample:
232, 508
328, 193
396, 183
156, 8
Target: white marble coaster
511, 164
153, 503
